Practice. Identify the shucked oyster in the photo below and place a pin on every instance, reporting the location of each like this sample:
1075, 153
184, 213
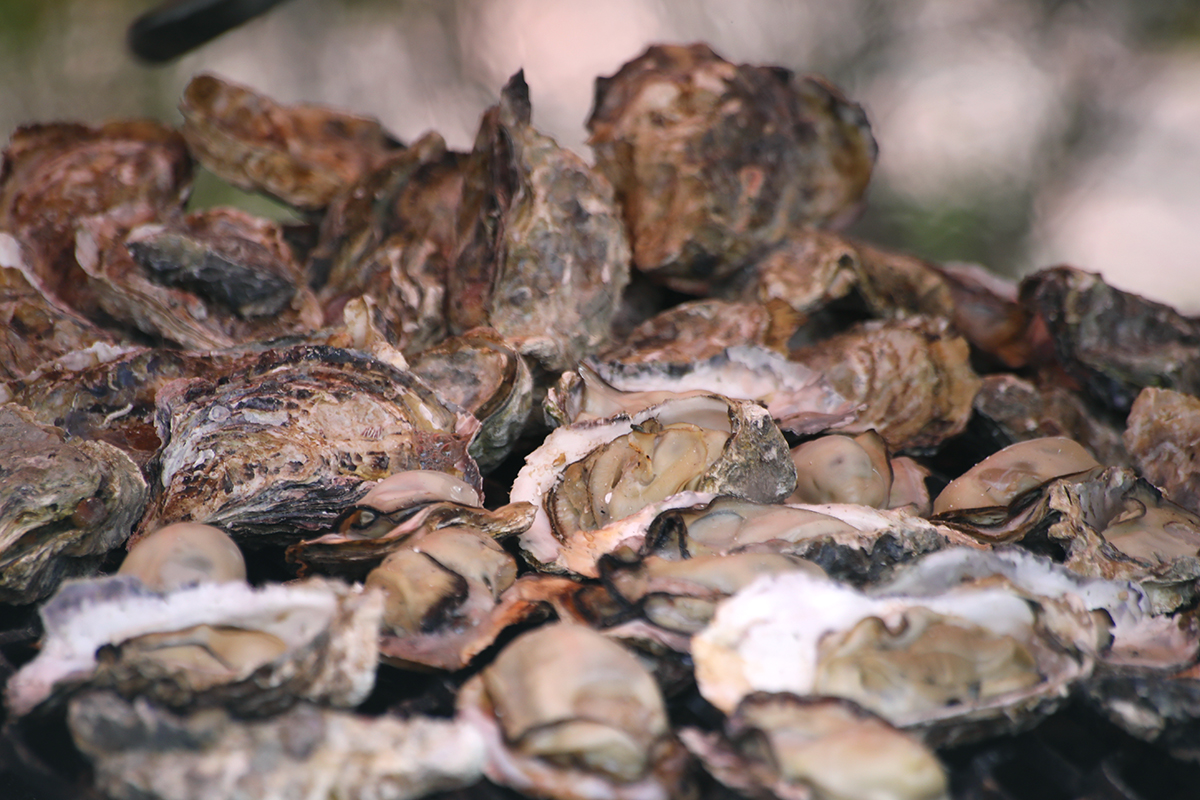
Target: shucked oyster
957, 666
253, 651
714, 161
302, 154
569, 714
63, 506
184, 554
590, 476
542, 255
809, 748
144, 752
280, 447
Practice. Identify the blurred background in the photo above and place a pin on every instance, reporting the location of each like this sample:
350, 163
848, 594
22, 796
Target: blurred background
1013, 133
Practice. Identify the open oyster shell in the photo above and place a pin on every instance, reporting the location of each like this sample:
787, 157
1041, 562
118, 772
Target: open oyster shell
253, 651
713, 161
587, 477
543, 255
302, 154
280, 447
785, 747
968, 663
798, 399
567, 713
143, 752
64, 505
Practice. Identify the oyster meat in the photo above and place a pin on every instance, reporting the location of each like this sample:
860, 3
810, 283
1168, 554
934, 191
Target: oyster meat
64, 506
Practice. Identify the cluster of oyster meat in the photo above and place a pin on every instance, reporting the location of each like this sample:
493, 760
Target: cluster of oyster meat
506, 474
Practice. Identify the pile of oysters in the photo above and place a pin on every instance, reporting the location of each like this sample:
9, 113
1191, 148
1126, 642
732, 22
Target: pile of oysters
503, 474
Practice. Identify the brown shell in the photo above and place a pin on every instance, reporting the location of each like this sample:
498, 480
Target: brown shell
714, 161
280, 447
302, 154
543, 255
701, 329
1163, 436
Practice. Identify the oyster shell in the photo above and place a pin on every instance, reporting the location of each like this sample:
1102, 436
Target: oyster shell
713, 161
1112, 342
798, 399
280, 447
253, 651
702, 329
543, 255
811, 748
145, 752
966, 664
567, 713
302, 154
912, 379
64, 506
210, 280
1163, 432
482, 373
587, 477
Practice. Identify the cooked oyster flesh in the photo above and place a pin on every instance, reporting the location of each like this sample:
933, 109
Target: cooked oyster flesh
1000, 477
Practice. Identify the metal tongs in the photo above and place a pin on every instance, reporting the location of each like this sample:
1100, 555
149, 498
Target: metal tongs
178, 26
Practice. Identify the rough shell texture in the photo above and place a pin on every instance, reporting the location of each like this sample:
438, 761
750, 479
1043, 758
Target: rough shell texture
64, 505
1112, 342
302, 154
543, 255
142, 752
713, 161
314, 640
282, 446
703, 329
1164, 439
913, 379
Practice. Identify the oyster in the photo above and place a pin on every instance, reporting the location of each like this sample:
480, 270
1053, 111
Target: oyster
210, 280
567, 713
810, 748
965, 664
843, 469
1112, 342
1000, 477
702, 329
184, 554
482, 373
588, 477
543, 255
403, 509
253, 651
912, 379
798, 399
65, 505
145, 752
1163, 432
714, 161
279, 447
302, 154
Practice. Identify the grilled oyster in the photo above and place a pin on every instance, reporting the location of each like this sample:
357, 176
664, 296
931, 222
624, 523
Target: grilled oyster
400, 510
253, 651
810, 748
146, 752
911, 379
184, 554
64, 506
484, 374
302, 154
965, 664
543, 255
798, 399
567, 713
280, 447
714, 161
588, 477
